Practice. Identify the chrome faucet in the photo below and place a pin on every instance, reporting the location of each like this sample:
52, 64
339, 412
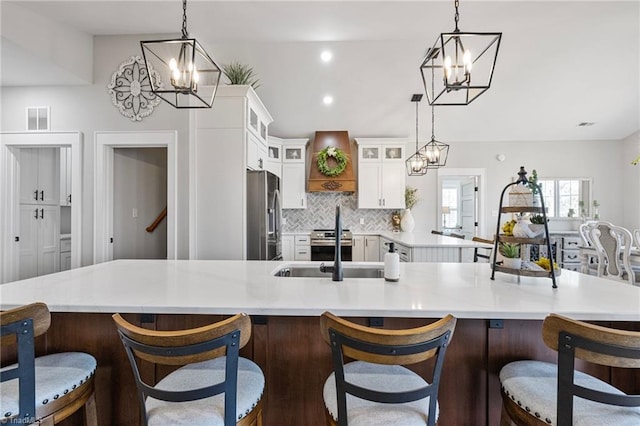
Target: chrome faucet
337, 274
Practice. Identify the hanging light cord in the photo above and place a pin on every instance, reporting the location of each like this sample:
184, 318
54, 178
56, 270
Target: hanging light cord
184, 19
433, 108
416, 126
456, 17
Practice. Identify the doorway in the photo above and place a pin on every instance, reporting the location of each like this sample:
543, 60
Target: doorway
461, 201
10, 209
106, 145
139, 200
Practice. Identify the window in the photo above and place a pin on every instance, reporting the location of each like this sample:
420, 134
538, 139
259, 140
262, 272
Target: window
566, 197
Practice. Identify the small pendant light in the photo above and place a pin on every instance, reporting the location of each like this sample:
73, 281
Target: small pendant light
416, 164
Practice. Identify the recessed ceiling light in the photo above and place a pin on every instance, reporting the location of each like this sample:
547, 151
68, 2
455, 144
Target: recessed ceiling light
327, 100
326, 56
586, 124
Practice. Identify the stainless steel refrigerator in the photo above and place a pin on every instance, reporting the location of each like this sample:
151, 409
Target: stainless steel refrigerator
264, 216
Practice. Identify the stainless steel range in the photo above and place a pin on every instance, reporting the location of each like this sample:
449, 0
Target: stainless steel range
323, 243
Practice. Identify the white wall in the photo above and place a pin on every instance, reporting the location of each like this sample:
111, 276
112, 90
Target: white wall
88, 109
630, 186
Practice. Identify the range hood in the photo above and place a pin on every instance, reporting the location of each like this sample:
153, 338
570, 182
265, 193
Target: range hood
345, 181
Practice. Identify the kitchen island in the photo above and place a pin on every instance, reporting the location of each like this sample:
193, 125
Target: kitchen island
499, 321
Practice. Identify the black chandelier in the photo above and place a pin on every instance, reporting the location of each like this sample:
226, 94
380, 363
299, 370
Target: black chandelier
189, 78
465, 62
416, 164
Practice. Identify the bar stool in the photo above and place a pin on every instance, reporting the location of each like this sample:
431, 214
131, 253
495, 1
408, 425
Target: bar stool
376, 388
487, 251
531, 390
214, 386
45, 389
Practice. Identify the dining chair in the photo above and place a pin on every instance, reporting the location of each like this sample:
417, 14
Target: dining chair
584, 230
486, 254
613, 244
636, 237
213, 386
375, 388
42, 389
542, 393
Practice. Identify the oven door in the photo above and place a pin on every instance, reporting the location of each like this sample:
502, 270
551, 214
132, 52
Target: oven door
324, 253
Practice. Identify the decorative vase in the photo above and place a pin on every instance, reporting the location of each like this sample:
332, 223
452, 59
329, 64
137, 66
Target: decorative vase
509, 262
407, 223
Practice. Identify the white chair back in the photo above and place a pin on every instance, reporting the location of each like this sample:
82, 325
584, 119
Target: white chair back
585, 230
636, 235
613, 244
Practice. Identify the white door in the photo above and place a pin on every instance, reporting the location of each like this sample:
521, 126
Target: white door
468, 208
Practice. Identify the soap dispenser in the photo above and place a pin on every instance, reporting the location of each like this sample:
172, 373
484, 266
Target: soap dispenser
391, 264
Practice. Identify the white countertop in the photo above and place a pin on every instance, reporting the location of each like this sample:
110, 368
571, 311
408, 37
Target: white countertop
425, 239
225, 287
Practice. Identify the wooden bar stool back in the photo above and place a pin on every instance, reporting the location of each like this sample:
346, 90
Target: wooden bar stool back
42, 389
376, 388
214, 385
531, 390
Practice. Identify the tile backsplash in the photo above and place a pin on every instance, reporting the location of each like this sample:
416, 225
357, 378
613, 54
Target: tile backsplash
321, 209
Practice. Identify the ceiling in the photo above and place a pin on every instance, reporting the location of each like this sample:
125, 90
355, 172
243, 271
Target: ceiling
560, 63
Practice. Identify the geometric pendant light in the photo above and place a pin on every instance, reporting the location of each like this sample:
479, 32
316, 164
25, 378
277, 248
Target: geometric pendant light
416, 164
435, 152
463, 63
189, 78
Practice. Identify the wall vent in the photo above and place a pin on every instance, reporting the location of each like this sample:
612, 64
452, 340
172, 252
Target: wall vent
38, 118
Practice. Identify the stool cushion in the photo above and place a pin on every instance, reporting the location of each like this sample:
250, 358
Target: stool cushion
533, 385
207, 411
388, 378
56, 375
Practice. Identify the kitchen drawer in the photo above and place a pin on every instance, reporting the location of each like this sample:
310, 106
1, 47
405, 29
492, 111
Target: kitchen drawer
570, 256
65, 245
302, 253
571, 242
302, 240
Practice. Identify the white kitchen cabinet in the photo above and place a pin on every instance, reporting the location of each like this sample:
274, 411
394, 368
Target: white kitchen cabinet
366, 248
302, 247
372, 248
39, 240
236, 124
40, 176
65, 176
381, 173
294, 178
274, 156
288, 247
357, 248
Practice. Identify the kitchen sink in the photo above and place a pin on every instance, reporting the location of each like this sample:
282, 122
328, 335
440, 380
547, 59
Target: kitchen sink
306, 271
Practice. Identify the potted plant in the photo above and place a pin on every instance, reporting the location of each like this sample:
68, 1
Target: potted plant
537, 223
407, 223
238, 73
511, 255
535, 187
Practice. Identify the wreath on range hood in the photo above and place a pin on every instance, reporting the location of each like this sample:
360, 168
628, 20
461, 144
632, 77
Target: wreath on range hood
338, 155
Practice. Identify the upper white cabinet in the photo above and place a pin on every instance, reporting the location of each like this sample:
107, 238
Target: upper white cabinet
294, 177
274, 156
381, 173
39, 176
229, 138
65, 176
